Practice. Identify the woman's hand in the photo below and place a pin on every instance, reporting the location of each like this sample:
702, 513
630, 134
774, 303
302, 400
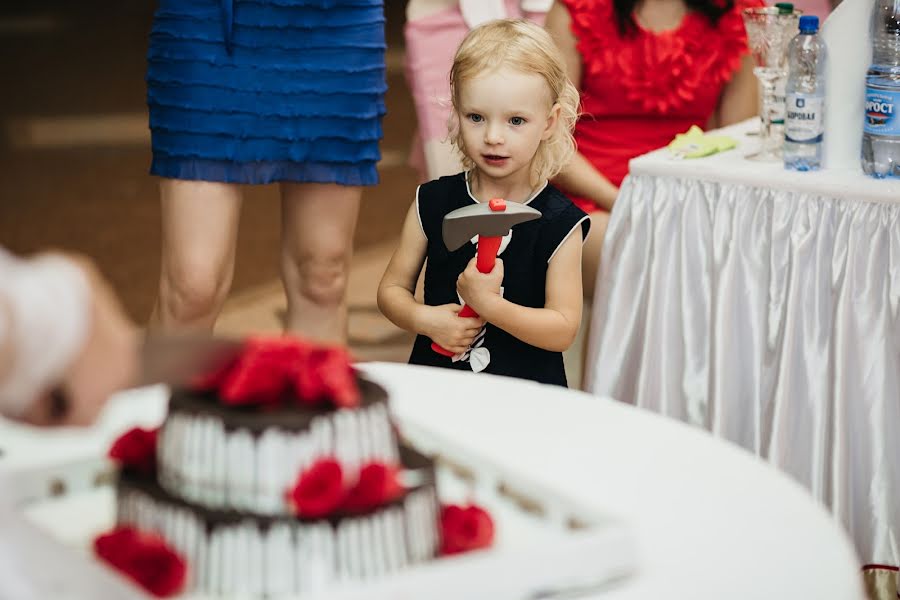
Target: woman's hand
105, 364
447, 329
478, 289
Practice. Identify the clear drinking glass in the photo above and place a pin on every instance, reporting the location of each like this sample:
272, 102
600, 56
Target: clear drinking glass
768, 33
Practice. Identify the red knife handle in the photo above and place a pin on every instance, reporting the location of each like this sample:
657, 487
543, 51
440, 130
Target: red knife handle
487, 257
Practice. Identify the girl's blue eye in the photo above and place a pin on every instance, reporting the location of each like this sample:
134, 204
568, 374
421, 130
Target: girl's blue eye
476, 118
517, 121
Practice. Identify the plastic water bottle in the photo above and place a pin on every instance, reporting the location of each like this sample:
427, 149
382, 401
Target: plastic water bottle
881, 131
805, 99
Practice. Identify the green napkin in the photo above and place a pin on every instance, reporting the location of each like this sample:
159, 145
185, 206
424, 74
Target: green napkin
696, 144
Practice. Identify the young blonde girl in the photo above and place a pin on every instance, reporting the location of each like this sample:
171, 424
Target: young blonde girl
512, 119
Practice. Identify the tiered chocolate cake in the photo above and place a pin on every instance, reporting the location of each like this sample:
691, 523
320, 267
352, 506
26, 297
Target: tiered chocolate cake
242, 489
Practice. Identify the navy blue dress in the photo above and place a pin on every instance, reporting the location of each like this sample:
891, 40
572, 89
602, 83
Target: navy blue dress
256, 91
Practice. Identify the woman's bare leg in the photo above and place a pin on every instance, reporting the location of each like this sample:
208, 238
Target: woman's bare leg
318, 222
590, 261
590, 264
199, 233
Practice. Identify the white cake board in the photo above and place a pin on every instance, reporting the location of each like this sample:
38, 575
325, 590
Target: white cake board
544, 547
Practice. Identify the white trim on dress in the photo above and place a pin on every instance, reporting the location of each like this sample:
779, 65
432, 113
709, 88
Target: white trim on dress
418, 214
578, 224
477, 201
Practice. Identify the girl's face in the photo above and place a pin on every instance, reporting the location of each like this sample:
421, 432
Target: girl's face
503, 116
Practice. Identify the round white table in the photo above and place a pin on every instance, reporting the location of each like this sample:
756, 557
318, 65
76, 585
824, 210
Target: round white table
709, 520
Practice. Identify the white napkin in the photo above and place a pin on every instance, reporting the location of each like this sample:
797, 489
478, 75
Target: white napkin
848, 38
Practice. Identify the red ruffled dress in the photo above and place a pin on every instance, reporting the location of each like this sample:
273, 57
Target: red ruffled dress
639, 91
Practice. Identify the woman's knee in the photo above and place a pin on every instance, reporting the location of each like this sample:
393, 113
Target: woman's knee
193, 290
322, 276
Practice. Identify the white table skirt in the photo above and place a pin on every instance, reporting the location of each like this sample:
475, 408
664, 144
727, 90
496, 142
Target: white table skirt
762, 305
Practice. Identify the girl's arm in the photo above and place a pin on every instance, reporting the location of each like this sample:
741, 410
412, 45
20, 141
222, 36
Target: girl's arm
396, 294
553, 327
739, 97
579, 177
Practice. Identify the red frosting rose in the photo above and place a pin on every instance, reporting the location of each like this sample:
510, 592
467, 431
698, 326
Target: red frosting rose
377, 485
465, 528
329, 375
270, 370
136, 449
319, 490
144, 557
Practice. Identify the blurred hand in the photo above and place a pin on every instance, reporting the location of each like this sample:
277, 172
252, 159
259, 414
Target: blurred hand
450, 331
106, 363
477, 289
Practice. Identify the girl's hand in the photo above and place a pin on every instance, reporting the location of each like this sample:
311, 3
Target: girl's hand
478, 289
450, 331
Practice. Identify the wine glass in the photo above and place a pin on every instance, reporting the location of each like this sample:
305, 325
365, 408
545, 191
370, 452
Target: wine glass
769, 30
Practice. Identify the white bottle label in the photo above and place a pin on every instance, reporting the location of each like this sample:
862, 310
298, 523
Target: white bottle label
776, 112
804, 121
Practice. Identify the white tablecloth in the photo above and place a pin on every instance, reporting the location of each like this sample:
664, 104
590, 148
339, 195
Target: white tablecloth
712, 522
762, 305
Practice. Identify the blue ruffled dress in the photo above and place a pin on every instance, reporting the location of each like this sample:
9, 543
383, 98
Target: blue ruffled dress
256, 91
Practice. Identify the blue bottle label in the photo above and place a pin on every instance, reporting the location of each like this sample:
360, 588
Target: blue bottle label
882, 108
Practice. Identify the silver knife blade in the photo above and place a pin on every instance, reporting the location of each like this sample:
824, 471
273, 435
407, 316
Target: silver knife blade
174, 359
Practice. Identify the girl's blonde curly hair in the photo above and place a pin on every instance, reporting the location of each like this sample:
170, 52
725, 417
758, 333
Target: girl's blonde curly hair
527, 48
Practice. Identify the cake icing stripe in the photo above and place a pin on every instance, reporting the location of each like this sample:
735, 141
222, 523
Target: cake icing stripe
188, 487
270, 481
366, 547
372, 557
206, 463
432, 523
343, 451
391, 540
364, 433
214, 556
220, 466
356, 548
200, 556
412, 510
323, 562
303, 554
321, 431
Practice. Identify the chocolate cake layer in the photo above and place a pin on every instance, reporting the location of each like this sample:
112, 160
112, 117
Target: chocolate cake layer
234, 553
291, 416
243, 459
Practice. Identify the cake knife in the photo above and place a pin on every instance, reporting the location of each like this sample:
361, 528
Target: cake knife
171, 359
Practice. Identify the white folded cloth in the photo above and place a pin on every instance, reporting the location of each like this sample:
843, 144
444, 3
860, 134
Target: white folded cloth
44, 322
848, 37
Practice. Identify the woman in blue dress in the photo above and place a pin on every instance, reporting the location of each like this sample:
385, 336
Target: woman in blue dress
254, 92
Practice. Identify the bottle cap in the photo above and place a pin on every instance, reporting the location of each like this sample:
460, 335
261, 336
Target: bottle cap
785, 8
809, 24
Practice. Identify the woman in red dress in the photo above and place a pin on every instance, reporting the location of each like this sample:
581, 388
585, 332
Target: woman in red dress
647, 70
